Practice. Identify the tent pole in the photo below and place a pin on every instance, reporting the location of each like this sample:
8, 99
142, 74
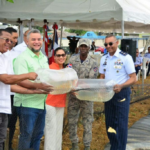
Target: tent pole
122, 25
61, 35
30, 26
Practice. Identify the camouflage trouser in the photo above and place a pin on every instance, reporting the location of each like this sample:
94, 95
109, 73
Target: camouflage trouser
75, 107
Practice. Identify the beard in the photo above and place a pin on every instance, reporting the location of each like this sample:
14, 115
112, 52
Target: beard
35, 51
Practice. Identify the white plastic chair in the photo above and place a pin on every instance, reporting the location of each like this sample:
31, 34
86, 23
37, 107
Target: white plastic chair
144, 68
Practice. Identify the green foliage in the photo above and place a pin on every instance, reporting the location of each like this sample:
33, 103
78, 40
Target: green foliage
39, 28
78, 32
11, 1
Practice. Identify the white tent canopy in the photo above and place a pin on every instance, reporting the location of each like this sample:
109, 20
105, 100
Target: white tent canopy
87, 14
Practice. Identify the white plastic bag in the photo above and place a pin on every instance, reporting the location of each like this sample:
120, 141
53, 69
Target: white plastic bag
98, 90
63, 80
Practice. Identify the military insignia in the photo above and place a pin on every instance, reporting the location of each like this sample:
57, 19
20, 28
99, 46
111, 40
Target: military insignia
117, 71
69, 66
119, 67
105, 63
115, 67
104, 70
123, 53
95, 69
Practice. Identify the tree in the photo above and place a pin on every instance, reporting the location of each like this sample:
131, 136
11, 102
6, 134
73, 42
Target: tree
39, 28
78, 32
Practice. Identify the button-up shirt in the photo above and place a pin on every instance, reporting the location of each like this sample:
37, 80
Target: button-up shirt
20, 47
86, 69
139, 60
29, 62
5, 105
117, 67
147, 55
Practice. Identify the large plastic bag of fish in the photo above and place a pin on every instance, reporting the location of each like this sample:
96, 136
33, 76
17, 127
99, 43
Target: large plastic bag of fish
97, 90
63, 81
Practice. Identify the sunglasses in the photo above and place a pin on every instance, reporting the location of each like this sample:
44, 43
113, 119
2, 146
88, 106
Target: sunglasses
7, 40
59, 55
110, 43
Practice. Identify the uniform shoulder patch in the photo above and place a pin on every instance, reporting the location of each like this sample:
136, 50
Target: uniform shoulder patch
123, 53
95, 69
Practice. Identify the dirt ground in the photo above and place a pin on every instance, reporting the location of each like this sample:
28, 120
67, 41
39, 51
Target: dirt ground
99, 137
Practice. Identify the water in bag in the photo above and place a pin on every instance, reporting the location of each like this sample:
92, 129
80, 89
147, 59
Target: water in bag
63, 81
98, 90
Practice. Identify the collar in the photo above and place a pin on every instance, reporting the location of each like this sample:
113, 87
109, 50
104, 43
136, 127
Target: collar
54, 66
34, 55
116, 53
87, 60
24, 44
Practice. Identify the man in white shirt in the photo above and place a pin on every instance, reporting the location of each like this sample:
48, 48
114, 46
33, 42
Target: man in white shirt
14, 36
5, 81
12, 54
21, 47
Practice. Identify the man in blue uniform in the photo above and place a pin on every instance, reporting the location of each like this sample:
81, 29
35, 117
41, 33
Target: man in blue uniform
138, 61
147, 55
118, 66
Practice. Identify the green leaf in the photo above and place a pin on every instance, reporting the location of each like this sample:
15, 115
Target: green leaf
11, 1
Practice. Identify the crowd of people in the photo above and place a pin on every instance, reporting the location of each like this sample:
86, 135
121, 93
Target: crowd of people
38, 109
139, 61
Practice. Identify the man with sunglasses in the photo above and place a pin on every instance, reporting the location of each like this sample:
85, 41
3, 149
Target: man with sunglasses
86, 67
118, 66
6, 79
12, 54
14, 36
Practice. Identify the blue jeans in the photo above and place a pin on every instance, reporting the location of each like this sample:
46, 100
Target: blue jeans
32, 122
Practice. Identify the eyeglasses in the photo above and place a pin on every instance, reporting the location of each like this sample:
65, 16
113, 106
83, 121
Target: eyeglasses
59, 55
110, 43
7, 40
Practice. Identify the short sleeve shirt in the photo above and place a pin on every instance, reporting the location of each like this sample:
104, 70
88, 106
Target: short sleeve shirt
27, 62
5, 105
20, 47
117, 67
147, 55
138, 60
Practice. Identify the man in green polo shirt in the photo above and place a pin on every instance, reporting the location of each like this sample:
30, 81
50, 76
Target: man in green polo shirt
30, 108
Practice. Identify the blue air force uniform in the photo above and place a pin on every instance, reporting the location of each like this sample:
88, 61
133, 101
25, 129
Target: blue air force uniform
117, 67
138, 61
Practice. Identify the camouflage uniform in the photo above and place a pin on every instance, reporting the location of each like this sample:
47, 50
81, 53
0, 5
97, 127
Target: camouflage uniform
86, 69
